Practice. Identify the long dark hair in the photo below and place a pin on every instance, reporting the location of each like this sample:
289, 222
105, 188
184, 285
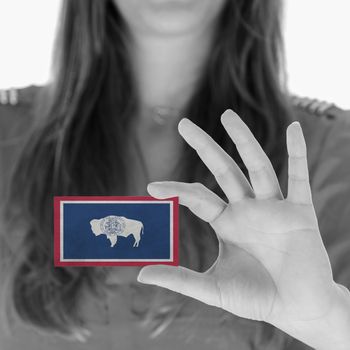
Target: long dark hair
76, 144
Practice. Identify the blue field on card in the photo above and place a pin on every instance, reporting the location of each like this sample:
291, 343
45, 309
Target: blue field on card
103, 231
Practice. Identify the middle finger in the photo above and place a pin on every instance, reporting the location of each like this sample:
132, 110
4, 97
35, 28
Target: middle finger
261, 172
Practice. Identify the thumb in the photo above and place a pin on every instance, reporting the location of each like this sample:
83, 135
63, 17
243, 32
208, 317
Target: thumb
182, 280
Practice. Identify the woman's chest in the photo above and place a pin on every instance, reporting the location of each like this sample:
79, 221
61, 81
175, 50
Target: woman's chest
196, 327
155, 156
123, 332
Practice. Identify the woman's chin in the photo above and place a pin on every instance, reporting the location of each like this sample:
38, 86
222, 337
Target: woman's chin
169, 17
171, 23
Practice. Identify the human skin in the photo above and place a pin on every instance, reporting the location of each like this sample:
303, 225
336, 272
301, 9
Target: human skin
169, 18
272, 265
283, 275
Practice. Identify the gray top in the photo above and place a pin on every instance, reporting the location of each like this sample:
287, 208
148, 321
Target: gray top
327, 132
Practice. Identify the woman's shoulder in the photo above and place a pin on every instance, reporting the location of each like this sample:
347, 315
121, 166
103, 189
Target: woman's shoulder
319, 117
19, 97
320, 108
326, 128
17, 109
17, 112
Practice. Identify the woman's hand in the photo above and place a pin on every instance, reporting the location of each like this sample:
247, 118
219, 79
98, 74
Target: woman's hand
272, 265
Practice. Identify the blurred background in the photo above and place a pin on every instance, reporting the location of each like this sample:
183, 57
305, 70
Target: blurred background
317, 34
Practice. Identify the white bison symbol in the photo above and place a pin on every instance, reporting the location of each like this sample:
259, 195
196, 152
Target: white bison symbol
113, 226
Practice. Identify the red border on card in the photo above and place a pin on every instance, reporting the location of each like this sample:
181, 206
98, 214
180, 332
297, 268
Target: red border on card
57, 241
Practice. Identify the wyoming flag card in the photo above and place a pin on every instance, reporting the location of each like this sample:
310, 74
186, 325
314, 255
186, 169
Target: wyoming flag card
105, 231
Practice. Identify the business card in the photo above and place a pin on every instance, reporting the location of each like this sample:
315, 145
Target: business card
115, 230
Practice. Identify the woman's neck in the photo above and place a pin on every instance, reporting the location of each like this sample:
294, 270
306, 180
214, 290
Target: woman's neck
168, 68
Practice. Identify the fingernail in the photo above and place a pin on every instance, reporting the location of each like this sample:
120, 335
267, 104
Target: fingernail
155, 183
184, 120
152, 187
296, 125
183, 124
231, 111
139, 278
228, 114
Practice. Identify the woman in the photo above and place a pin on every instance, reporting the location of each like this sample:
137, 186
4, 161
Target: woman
126, 72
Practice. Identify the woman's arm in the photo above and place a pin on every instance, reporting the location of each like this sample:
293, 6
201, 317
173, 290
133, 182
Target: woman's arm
272, 265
